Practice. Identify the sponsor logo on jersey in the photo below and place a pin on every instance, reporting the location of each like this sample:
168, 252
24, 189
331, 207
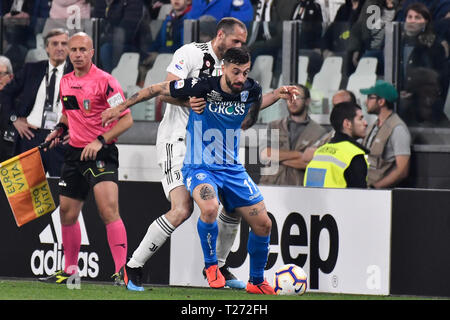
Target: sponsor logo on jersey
213, 96
229, 108
179, 84
194, 82
200, 176
244, 96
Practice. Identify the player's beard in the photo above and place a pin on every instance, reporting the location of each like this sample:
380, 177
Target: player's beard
233, 89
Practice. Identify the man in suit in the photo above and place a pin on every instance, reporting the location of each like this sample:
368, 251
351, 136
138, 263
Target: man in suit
6, 144
38, 107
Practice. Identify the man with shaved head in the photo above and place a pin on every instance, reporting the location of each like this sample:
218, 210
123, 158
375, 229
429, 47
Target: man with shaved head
343, 96
91, 160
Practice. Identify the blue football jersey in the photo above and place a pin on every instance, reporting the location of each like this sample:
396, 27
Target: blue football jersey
212, 137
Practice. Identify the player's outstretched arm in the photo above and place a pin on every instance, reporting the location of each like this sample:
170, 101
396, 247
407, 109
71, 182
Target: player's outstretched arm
284, 92
113, 114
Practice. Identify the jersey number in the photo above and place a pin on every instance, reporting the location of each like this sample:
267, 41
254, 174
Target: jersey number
250, 185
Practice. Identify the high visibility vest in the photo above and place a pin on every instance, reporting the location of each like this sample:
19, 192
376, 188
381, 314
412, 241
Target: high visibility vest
329, 163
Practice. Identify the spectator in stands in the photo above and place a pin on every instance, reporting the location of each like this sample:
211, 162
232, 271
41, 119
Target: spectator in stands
310, 14
336, 37
239, 9
154, 7
22, 20
38, 106
298, 134
266, 33
6, 131
367, 34
437, 8
124, 29
170, 36
342, 162
442, 28
63, 14
388, 138
424, 70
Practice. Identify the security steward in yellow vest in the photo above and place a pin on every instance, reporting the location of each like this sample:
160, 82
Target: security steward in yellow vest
341, 163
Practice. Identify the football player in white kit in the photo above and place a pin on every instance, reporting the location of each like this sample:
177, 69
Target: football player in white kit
191, 60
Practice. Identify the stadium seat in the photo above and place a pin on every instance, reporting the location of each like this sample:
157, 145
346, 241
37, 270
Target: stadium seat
333, 6
35, 55
40, 41
262, 71
367, 66
358, 81
302, 69
447, 104
126, 71
155, 75
164, 11
325, 83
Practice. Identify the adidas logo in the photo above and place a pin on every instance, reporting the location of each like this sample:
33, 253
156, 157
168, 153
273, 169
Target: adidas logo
47, 262
46, 236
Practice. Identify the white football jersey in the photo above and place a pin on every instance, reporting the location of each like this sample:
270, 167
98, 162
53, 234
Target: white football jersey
189, 61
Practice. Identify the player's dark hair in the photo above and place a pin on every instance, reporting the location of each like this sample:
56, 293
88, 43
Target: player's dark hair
237, 56
227, 24
53, 33
342, 111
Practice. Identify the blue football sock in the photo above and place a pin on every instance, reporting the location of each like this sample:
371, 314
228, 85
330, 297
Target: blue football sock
208, 237
258, 249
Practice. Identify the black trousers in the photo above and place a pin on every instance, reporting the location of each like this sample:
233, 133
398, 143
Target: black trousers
52, 159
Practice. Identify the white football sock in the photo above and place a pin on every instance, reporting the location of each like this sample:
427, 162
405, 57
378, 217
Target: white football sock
157, 234
228, 227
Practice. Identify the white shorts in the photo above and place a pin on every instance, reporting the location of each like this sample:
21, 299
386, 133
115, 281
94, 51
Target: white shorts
170, 160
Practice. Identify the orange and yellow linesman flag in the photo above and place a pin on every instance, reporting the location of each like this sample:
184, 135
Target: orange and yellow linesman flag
26, 187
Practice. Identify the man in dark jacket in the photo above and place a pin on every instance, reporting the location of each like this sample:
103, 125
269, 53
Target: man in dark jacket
120, 29
37, 108
6, 138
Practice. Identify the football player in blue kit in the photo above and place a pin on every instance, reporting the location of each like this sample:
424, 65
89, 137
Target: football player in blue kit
211, 169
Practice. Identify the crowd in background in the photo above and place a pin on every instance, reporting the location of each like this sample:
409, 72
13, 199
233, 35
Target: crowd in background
354, 31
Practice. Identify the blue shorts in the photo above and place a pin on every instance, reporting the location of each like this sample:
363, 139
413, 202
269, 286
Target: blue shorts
235, 188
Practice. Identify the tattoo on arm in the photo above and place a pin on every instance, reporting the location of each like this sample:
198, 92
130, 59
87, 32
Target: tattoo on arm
164, 86
252, 115
133, 97
207, 193
253, 212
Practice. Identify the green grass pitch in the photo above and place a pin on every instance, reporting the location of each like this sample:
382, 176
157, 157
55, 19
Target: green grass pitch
34, 290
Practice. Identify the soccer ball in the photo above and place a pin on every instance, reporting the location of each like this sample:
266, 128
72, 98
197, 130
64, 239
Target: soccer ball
290, 280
